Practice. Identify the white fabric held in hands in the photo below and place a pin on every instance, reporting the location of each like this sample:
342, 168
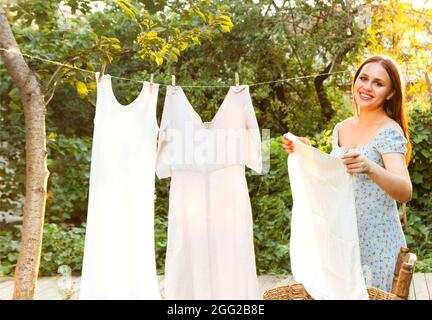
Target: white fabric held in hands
324, 246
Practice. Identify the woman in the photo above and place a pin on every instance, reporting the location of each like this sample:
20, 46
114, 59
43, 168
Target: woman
375, 147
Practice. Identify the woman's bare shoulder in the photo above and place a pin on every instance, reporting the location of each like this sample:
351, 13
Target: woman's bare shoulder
348, 122
389, 122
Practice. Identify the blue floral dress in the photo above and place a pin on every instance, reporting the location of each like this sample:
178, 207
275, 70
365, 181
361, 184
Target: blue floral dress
379, 227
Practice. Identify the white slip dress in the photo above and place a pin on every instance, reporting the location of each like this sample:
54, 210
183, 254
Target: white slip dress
119, 255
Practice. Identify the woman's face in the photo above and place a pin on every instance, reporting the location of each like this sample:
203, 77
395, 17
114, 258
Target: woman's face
372, 87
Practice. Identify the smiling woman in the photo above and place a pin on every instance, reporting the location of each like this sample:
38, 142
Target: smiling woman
378, 92
375, 147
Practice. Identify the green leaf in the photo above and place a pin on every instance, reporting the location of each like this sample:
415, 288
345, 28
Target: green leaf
158, 29
14, 94
81, 88
182, 45
224, 21
176, 51
158, 60
225, 28
201, 15
425, 152
127, 7
173, 56
417, 177
151, 35
14, 106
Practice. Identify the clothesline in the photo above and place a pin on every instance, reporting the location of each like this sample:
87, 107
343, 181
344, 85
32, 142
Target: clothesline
183, 86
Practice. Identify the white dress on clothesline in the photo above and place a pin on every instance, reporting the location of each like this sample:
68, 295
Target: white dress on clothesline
210, 253
119, 256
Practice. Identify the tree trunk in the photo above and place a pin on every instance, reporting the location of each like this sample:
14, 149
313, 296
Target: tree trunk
327, 111
32, 98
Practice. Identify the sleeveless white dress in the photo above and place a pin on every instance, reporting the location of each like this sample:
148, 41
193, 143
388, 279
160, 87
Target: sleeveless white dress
119, 255
210, 250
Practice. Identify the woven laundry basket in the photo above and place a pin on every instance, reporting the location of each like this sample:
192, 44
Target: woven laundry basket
403, 274
296, 291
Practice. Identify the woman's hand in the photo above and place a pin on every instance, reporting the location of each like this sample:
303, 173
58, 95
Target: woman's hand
393, 178
288, 145
357, 163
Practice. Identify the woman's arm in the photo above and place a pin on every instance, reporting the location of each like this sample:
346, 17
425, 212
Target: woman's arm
393, 179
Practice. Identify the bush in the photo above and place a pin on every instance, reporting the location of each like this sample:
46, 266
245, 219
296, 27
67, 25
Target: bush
271, 202
418, 235
69, 166
62, 245
9, 248
420, 167
161, 222
419, 229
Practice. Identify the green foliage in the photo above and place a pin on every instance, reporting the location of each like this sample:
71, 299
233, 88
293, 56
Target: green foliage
268, 44
420, 167
12, 172
403, 32
9, 248
271, 201
161, 222
322, 140
107, 34
197, 21
424, 265
69, 166
12, 135
419, 217
419, 233
418, 236
62, 245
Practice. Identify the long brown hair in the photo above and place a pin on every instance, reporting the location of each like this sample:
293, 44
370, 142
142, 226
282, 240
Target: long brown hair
393, 107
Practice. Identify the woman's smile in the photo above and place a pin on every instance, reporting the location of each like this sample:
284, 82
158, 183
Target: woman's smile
365, 96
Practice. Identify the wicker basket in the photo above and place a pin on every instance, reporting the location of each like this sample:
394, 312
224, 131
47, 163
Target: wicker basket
403, 273
297, 292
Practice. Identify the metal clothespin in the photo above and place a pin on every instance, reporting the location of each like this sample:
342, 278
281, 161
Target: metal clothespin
102, 72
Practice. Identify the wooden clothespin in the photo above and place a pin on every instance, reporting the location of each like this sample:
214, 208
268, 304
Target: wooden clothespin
151, 81
237, 80
173, 83
102, 72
